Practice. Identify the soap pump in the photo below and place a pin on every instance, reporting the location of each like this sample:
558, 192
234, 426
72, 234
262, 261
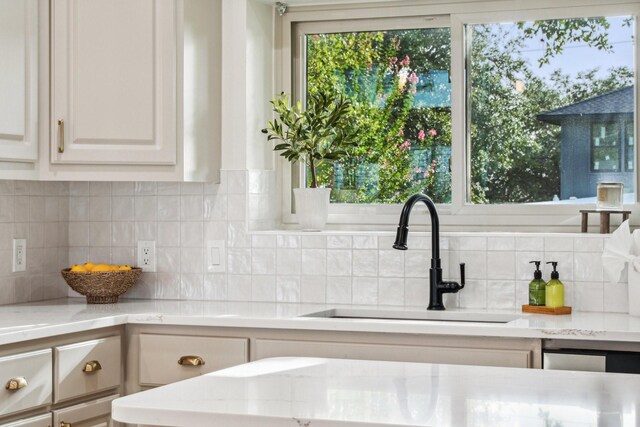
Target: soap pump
554, 290
537, 287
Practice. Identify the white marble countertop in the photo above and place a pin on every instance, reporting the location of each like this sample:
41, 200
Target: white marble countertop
314, 392
22, 322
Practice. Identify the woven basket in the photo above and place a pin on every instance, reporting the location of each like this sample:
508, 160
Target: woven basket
102, 287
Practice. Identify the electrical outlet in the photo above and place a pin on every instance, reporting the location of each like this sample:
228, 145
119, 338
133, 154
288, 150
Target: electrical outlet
19, 255
147, 255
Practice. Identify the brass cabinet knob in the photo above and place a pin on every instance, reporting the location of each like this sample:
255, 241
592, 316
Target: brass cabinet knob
16, 383
91, 366
191, 361
63, 424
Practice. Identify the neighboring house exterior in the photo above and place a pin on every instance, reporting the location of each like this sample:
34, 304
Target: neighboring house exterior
597, 142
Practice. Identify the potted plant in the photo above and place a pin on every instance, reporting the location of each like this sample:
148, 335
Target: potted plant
322, 132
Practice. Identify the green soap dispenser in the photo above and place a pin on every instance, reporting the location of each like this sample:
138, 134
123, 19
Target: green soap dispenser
537, 287
554, 291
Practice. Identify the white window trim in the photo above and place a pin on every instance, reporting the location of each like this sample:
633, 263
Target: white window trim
459, 215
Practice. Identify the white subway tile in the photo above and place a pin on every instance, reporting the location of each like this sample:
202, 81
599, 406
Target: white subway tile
339, 242
364, 242
168, 260
501, 294
192, 286
391, 263
364, 290
263, 241
365, 263
191, 208
169, 234
558, 244
501, 243
529, 244
416, 292
168, 208
588, 296
391, 291
263, 288
587, 267
338, 290
469, 243
310, 241
313, 289
215, 287
589, 244
287, 241
288, 289
501, 265
339, 262
288, 261
263, 261
416, 263
474, 294
122, 208
239, 287
239, 260
475, 264
313, 262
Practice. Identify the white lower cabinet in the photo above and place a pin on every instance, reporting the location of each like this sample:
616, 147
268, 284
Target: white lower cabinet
166, 359
39, 421
26, 381
96, 413
69, 380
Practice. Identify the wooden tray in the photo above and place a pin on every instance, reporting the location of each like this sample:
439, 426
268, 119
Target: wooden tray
541, 309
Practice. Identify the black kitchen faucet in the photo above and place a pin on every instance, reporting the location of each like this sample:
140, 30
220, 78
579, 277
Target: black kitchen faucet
437, 286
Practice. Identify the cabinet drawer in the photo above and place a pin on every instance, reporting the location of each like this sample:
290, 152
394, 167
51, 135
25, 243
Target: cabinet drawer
96, 413
86, 367
395, 353
39, 421
33, 373
160, 355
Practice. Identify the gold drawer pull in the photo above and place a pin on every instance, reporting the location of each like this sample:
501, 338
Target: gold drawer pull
91, 366
63, 424
61, 140
16, 383
191, 361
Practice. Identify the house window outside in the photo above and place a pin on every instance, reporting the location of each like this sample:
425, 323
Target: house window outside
605, 147
629, 147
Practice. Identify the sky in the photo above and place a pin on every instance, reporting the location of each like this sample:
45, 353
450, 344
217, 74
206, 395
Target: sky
580, 57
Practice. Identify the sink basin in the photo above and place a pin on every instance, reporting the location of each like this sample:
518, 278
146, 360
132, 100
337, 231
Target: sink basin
433, 316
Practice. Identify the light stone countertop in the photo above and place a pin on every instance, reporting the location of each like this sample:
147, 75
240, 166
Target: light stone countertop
23, 322
315, 392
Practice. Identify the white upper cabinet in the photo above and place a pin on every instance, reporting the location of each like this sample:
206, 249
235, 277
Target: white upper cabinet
18, 81
114, 80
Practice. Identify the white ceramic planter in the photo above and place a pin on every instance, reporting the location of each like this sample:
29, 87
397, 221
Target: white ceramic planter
312, 207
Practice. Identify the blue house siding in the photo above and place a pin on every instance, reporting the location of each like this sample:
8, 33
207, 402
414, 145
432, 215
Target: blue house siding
576, 177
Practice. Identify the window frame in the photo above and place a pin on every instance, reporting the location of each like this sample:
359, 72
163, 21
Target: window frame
626, 145
460, 215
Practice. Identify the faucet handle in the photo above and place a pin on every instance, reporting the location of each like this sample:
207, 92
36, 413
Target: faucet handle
462, 279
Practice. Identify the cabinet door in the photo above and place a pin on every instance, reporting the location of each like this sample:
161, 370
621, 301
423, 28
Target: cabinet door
18, 80
96, 413
114, 82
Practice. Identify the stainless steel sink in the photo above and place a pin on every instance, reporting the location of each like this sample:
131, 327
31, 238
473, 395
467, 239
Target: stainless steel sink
433, 316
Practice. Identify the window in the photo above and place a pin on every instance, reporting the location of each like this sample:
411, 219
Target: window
502, 116
605, 147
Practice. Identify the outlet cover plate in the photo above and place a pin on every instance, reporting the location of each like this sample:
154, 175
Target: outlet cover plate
147, 255
216, 256
19, 255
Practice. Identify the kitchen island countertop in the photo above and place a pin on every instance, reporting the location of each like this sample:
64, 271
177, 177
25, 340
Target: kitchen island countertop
316, 392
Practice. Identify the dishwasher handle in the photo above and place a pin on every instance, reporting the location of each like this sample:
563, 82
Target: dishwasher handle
574, 362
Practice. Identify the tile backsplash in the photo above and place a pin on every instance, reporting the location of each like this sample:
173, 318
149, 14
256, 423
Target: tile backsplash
38, 212
102, 221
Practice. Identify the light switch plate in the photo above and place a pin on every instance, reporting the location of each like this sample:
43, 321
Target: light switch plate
216, 256
19, 255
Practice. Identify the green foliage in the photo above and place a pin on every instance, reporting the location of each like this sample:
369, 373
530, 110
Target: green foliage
557, 33
325, 130
374, 70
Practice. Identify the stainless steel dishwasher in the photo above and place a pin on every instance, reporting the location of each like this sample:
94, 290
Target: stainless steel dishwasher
624, 362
